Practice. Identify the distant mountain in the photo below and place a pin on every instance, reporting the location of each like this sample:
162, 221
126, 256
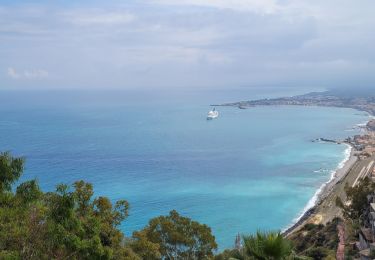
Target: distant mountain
361, 92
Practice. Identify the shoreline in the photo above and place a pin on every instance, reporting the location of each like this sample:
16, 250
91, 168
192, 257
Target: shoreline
324, 190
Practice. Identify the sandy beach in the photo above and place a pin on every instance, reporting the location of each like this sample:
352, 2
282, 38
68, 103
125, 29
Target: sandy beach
325, 208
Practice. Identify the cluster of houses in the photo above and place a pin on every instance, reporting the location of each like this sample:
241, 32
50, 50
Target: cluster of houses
365, 143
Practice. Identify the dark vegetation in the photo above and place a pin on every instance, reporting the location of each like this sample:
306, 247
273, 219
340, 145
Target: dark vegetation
358, 208
317, 241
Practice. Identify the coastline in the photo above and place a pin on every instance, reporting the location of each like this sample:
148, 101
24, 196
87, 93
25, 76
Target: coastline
324, 190
314, 211
321, 208
325, 209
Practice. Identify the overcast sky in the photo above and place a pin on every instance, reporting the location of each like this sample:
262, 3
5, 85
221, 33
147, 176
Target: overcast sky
186, 43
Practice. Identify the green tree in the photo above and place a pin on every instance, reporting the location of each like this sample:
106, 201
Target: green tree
66, 224
28, 192
177, 238
22, 221
144, 247
82, 228
11, 169
357, 202
233, 254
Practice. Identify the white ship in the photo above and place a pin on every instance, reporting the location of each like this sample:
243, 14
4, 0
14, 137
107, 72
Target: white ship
212, 114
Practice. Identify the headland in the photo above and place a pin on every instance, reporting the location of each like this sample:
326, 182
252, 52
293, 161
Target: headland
325, 99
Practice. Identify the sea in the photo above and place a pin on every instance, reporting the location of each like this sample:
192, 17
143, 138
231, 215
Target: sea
248, 170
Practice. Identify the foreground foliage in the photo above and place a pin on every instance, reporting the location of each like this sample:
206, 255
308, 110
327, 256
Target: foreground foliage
269, 245
176, 237
71, 224
262, 246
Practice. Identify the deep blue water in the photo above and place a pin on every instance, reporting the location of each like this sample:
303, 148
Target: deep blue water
249, 169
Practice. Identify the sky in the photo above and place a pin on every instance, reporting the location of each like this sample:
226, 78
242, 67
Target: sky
186, 43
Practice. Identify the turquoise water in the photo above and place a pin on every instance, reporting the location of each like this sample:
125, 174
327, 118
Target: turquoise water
250, 169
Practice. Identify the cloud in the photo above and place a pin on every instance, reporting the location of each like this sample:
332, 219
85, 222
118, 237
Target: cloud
27, 74
13, 73
98, 17
35, 74
188, 42
257, 6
